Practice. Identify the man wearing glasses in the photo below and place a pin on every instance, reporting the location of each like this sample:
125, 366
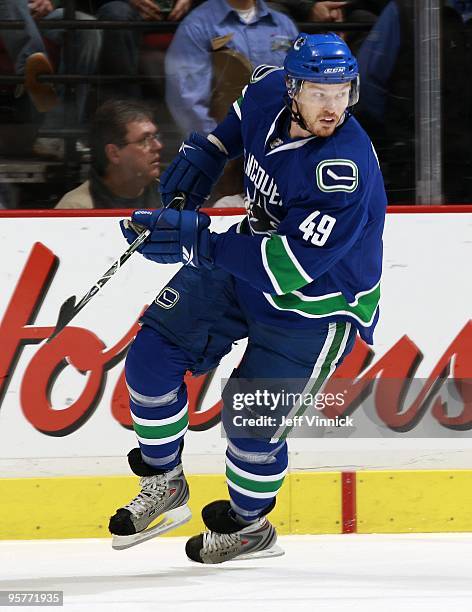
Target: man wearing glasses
125, 150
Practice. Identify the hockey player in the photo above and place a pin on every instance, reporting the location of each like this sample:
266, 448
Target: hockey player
299, 276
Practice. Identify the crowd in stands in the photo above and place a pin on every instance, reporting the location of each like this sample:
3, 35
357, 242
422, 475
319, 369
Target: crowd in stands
197, 71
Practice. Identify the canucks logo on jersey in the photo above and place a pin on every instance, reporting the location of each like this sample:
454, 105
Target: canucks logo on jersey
337, 175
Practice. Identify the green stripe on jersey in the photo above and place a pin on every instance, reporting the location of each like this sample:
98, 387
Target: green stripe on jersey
282, 267
237, 104
363, 310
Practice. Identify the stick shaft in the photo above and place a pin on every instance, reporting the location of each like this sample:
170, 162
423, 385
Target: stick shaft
69, 309
111, 271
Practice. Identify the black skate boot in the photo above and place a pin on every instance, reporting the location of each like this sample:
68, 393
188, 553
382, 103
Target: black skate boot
163, 497
227, 539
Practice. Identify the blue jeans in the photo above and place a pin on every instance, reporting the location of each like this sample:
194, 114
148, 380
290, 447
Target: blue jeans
20, 44
120, 50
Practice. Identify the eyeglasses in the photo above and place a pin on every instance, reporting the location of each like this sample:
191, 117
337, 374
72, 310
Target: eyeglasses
146, 141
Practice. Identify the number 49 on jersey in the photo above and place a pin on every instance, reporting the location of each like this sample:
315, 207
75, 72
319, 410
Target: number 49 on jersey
316, 230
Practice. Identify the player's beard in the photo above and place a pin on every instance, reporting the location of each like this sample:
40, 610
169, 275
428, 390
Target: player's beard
314, 124
320, 128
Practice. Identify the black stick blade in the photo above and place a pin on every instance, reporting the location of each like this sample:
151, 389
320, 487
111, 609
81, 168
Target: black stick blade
66, 314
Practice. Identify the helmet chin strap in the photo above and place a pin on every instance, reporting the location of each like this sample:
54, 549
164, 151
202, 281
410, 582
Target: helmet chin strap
295, 113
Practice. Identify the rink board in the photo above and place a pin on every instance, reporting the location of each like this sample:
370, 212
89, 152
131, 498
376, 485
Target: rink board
64, 422
308, 503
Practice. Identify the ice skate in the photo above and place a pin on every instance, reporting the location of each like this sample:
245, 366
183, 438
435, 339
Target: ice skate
163, 498
228, 540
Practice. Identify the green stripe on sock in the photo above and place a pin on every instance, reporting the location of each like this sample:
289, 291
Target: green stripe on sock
161, 431
253, 485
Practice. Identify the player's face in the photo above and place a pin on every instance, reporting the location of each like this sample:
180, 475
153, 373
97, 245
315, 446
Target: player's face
322, 106
141, 154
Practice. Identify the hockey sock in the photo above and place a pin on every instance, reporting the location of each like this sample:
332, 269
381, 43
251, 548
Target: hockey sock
158, 397
160, 429
255, 471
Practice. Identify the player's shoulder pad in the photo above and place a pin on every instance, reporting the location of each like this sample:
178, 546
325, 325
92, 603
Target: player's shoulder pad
266, 79
266, 87
262, 71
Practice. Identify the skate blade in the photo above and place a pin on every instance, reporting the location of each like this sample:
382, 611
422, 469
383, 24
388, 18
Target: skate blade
171, 520
274, 551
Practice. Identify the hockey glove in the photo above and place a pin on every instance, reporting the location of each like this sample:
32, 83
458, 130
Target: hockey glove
194, 171
176, 236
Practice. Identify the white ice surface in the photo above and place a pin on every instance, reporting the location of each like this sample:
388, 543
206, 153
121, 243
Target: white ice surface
429, 572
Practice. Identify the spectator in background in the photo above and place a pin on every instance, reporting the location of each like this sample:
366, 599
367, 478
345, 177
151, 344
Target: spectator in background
307, 10
387, 107
247, 27
125, 150
325, 11
28, 53
120, 54
364, 11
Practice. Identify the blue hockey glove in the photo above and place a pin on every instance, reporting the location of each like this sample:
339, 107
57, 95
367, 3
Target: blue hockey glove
176, 236
197, 167
131, 229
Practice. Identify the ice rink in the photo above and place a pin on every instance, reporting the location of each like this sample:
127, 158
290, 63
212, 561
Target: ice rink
324, 573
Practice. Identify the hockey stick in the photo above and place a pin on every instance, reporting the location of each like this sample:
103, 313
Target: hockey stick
70, 308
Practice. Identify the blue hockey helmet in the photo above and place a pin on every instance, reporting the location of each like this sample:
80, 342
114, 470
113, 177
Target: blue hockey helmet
321, 58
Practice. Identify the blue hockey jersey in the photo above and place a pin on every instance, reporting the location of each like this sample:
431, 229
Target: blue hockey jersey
310, 247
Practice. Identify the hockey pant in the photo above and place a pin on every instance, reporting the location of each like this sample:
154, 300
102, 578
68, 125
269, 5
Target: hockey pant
191, 325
